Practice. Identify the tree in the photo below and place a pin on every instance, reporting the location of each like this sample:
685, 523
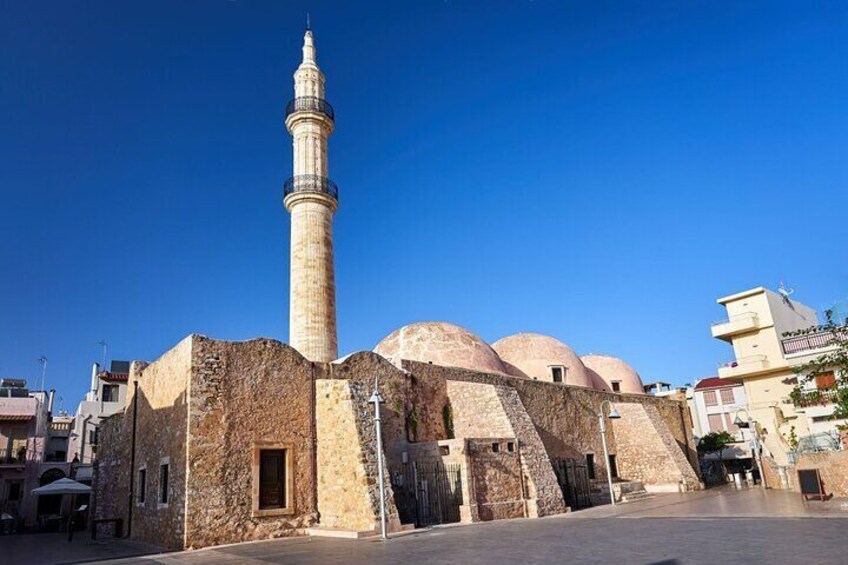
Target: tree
715, 441
834, 361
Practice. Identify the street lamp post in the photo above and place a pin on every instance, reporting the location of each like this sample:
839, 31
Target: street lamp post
750, 424
613, 415
377, 399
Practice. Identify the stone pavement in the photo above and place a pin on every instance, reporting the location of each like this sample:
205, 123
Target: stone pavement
38, 549
716, 526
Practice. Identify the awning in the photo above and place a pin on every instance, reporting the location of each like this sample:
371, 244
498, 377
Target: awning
15, 417
63, 486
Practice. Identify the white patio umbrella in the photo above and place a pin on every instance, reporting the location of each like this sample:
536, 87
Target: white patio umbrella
61, 487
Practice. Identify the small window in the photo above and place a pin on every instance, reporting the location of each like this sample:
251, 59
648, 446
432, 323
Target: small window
616, 386
444, 450
590, 465
716, 422
272, 479
142, 486
163, 483
92, 436
14, 493
110, 393
556, 373
613, 466
710, 398
726, 395
510, 446
496, 447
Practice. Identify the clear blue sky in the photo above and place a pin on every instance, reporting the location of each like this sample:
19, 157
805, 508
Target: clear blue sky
598, 171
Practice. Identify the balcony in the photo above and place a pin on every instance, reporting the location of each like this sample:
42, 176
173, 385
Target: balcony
744, 366
311, 184
735, 325
808, 398
811, 342
310, 104
13, 457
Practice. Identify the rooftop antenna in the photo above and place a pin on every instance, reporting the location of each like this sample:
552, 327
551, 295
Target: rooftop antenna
784, 292
43, 361
102, 343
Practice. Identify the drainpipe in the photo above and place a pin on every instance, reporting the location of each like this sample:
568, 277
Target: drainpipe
82, 440
132, 458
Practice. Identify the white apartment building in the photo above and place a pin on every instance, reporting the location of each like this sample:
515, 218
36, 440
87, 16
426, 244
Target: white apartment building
764, 360
108, 395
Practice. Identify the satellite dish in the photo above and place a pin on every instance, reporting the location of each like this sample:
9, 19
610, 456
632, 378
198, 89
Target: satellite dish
784, 292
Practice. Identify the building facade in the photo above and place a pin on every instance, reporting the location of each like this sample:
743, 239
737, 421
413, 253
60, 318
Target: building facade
765, 359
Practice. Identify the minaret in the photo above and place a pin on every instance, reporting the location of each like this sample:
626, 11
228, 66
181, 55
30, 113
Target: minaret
311, 198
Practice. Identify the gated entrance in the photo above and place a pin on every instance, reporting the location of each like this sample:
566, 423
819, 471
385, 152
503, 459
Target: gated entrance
427, 493
573, 479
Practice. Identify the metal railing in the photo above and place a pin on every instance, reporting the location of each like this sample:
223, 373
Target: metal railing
815, 397
310, 104
809, 342
13, 456
311, 183
741, 361
737, 317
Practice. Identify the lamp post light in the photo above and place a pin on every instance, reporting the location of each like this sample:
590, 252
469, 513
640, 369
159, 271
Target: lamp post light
748, 423
613, 415
377, 399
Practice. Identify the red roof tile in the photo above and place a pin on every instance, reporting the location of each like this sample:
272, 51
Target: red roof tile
716, 382
15, 417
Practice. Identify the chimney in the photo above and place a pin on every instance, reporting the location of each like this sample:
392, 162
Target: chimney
95, 369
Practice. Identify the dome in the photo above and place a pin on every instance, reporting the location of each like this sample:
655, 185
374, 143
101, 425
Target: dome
612, 369
443, 344
534, 354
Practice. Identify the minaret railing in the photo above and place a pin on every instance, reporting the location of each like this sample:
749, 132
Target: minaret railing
310, 104
311, 183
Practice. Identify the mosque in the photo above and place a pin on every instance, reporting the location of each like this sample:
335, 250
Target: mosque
222, 442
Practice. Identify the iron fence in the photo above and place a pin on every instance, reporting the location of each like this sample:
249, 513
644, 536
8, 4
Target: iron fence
573, 479
310, 104
427, 493
311, 183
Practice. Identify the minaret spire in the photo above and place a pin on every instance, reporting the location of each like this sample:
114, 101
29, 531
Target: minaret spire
311, 198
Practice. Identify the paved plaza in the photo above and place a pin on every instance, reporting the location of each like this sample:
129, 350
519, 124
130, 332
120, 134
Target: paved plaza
716, 526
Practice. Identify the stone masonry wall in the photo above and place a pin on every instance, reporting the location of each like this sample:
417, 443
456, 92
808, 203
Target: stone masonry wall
110, 487
162, 403
565, 417
832, 466
348, 490
647, 451
497, 479
245, 395
481, 409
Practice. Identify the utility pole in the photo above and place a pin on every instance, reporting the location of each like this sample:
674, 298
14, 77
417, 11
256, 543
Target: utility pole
377, 399
43, 361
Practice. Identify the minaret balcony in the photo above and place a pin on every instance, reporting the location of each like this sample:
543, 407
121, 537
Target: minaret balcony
311, 184
310, 104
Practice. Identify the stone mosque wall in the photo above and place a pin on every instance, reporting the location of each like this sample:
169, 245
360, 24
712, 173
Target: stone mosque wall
207, 406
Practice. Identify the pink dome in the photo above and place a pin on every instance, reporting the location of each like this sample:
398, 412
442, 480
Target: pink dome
533, 355
441, 343
611, 369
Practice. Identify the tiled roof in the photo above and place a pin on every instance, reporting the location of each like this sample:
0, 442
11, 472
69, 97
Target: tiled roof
716, 382
15, 417
110, 376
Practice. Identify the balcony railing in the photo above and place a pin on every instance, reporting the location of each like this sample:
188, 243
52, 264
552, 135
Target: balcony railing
736, 324
13, 456
811, 341
743, 365
805, 399
311, 183
310, 104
